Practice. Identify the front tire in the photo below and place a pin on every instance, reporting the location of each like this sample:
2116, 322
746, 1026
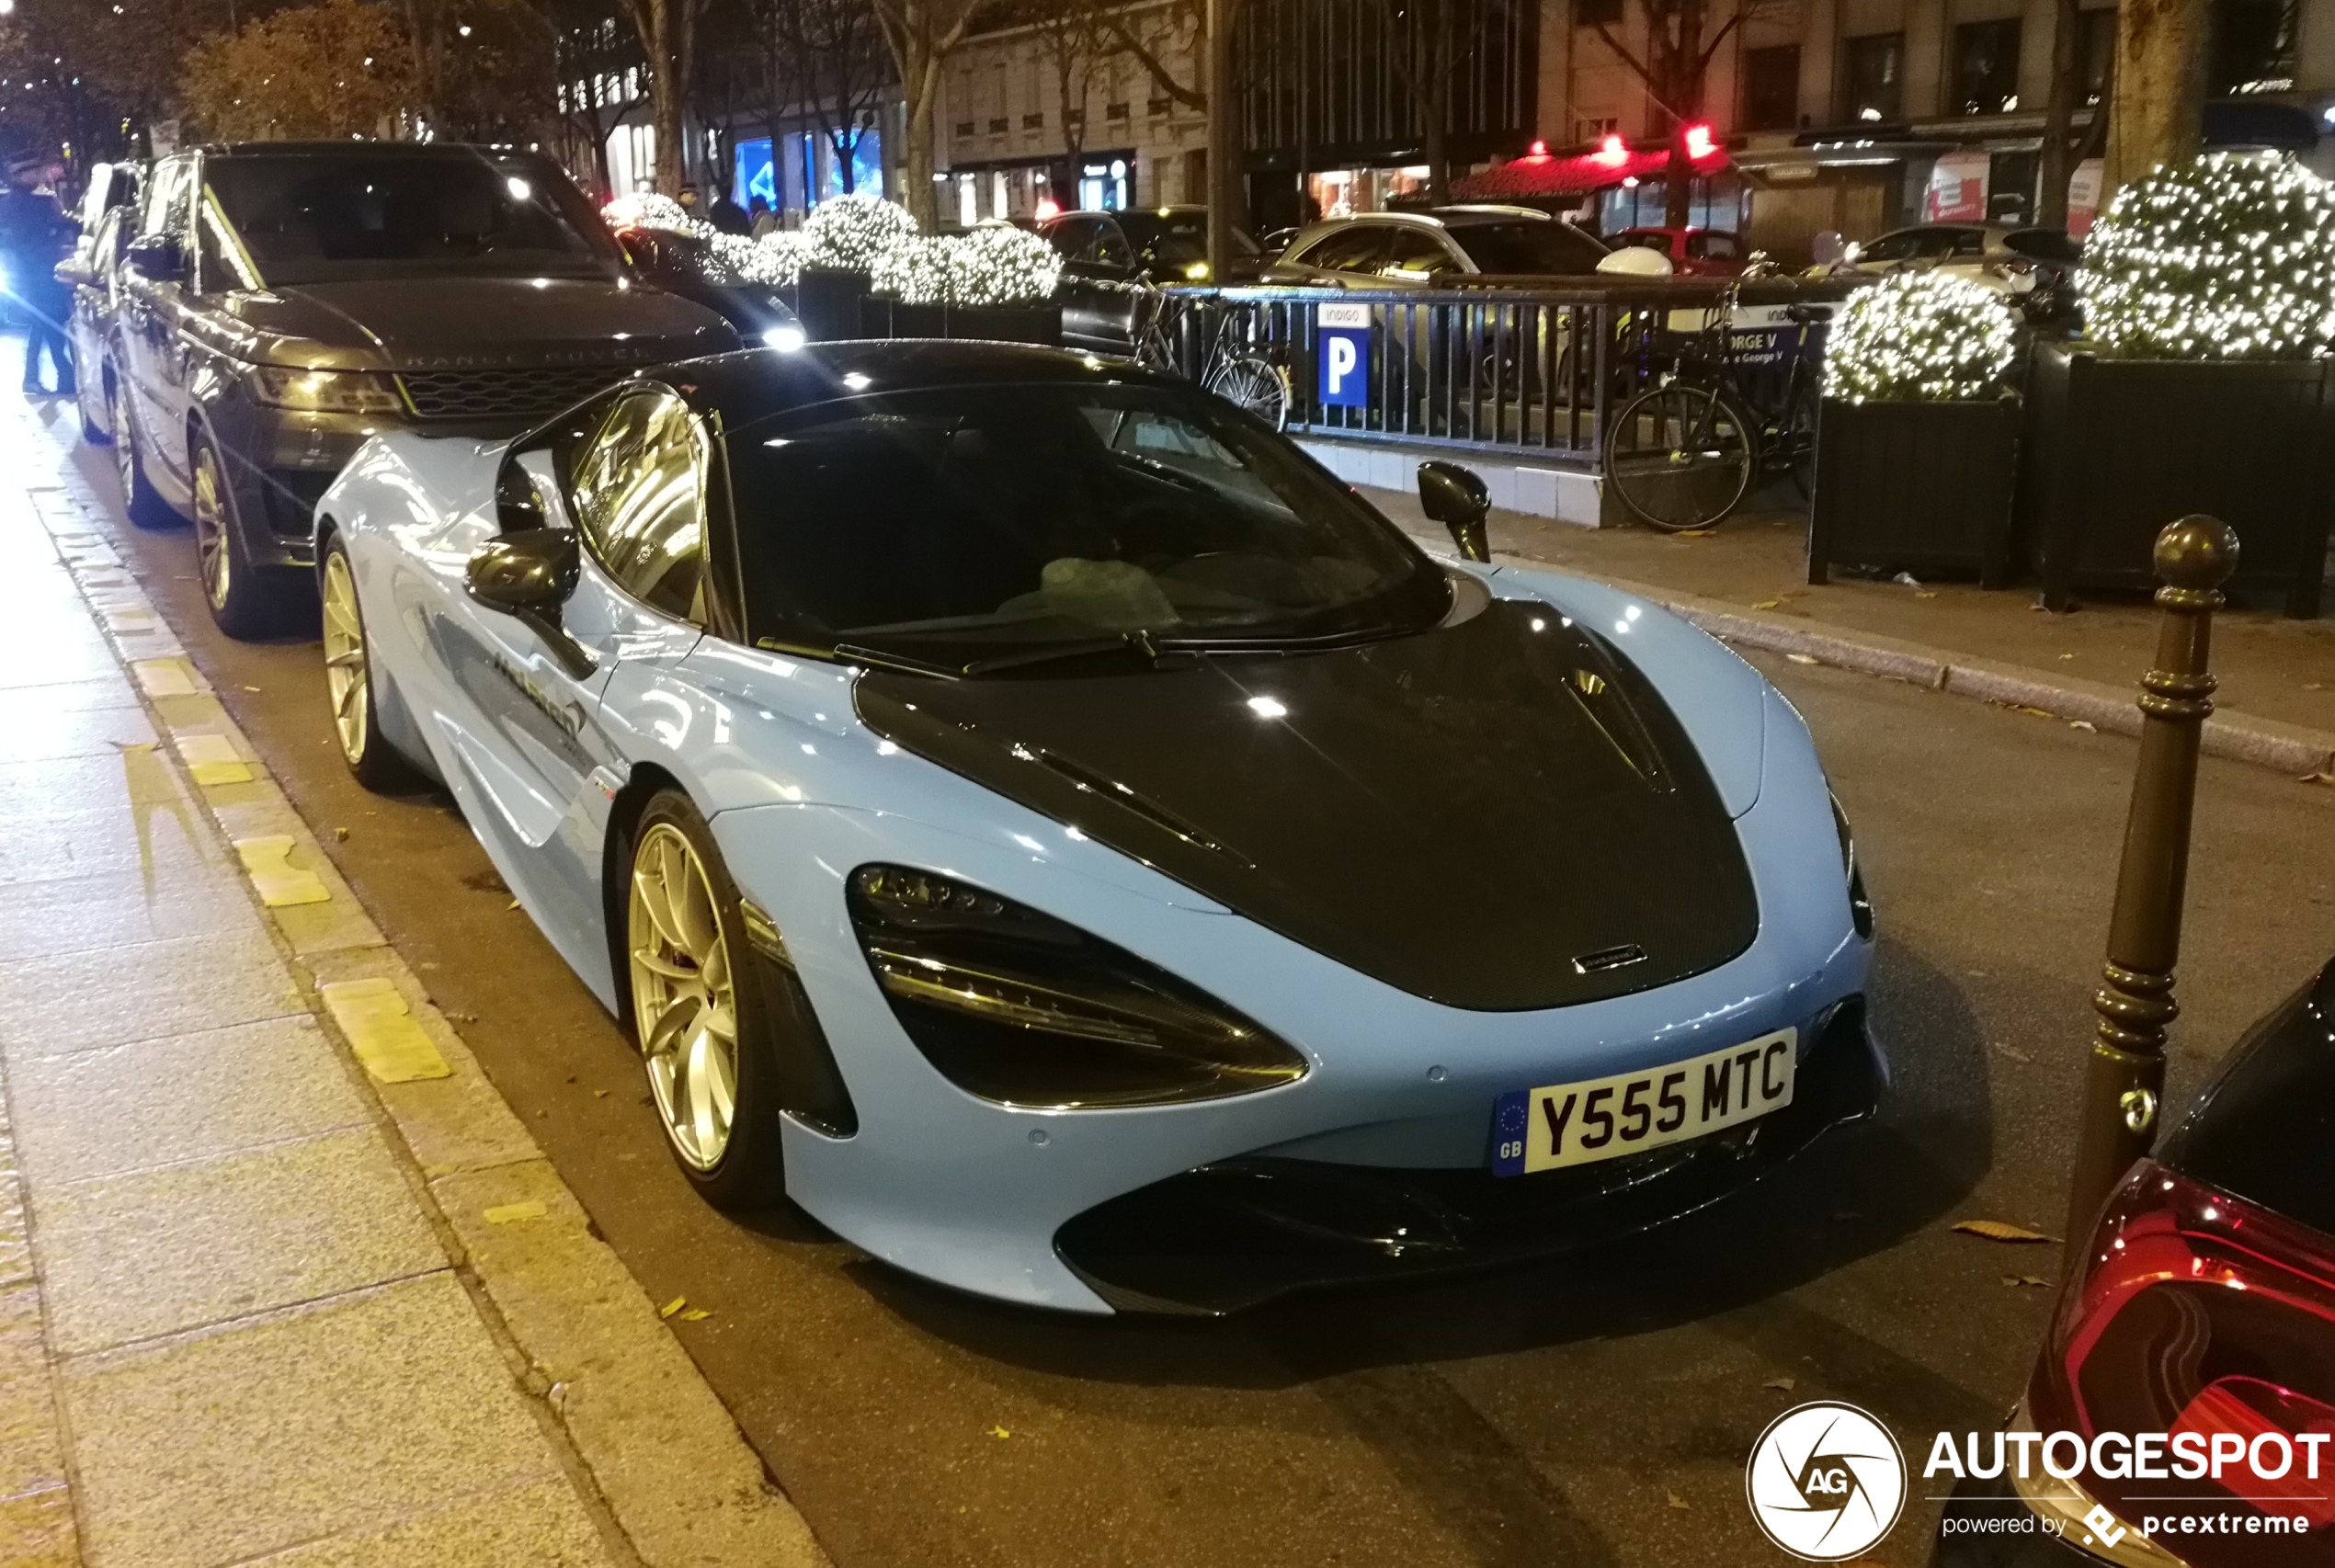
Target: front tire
235, 591
372, 759
1247, 381
697, 1017
1680, 456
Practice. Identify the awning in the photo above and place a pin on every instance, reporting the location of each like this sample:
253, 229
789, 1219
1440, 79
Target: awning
1545, 174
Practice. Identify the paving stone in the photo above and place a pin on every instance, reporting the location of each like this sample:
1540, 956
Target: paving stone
20, 1332
159, 1251
111, 996
346, 1417
31, 1451
77, 840
53, 917
89, 1114
36, 1531
541, 1526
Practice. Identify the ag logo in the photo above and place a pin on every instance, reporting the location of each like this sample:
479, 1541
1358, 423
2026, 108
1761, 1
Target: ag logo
1825, 1481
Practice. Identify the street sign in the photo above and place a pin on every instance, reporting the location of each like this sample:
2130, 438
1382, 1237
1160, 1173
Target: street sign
1343, 352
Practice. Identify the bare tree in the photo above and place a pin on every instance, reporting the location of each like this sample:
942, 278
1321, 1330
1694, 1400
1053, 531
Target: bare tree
1683, 38
1076, 38
1148, 35
2156, 106
667, 32
824, 60
921, 34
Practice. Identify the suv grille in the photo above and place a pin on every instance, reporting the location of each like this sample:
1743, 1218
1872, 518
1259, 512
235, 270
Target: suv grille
528, 391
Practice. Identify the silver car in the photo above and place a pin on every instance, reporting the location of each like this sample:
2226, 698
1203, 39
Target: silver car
1407, 250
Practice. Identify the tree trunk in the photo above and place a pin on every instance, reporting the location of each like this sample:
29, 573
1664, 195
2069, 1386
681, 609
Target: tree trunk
1435, 103
1686, 108
1224, 198
918, 86
2158, 112
2059, 113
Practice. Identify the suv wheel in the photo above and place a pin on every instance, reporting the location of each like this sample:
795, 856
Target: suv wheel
232, 586
138, 499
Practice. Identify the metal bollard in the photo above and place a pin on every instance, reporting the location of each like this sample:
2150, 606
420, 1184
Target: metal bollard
2125, 1082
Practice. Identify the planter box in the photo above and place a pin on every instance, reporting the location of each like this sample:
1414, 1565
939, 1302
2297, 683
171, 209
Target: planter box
881, 317
1918, 486
827, 304
2116, 448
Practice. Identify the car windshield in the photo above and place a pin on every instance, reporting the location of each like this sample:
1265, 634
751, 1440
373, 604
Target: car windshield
1525, 246
1011, 523
315, 218
1176, 239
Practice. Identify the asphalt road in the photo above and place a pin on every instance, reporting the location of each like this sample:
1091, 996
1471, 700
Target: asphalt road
1592, 1411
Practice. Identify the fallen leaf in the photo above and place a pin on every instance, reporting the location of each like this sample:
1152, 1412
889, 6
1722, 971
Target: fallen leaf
1996, 1230
2086, 725
1802, 659
1765, 604
675, 1305
1694, 533
2067, 655
999, 1432
458, 1017
1926, 594
251, 688
2014, 1054
1676, 1501
2314, 685
1782, 1385
513, 904
2026, 1281
2318, 778
2032, 712
695, 1314
601, 1093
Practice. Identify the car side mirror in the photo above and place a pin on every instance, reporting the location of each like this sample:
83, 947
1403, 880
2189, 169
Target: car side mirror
1455, 497
76, 273
158, 259
528, 494
529, 575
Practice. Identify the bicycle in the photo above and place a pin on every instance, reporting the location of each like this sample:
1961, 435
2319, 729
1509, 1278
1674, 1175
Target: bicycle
1682, 453
1228, 366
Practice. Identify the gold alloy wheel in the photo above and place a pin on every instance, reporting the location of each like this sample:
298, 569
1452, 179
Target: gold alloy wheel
684, 1007
345, 661
213, 558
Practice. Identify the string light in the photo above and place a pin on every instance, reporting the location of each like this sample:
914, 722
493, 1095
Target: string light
1921, 338
849, 232
2231, 256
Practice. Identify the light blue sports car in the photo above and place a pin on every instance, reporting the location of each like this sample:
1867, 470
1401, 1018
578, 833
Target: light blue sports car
1036, 820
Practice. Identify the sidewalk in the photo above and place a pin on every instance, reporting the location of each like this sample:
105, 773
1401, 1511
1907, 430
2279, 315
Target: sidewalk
282, 1278
1748, 581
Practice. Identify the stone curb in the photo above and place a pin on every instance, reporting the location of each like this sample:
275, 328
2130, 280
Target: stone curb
2293, 749
646, 1436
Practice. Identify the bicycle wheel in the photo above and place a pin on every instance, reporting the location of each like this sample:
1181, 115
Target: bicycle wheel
1680, 457
1800, 438
1256, 384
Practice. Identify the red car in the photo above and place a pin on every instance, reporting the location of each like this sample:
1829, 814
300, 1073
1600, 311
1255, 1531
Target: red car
1693, 253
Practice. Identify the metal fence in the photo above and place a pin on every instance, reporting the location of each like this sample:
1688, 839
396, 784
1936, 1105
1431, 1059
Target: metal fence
1532, 370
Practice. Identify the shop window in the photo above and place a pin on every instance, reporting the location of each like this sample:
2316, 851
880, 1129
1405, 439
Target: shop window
1771, 87
2253, 47
1874, 77
1985, 67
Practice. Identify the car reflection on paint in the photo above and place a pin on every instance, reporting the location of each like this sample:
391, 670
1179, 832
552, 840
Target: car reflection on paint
1038, 821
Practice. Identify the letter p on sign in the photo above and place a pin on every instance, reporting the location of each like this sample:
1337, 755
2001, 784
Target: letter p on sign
1343, 352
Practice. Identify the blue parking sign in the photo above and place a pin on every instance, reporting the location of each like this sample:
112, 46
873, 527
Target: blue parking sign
1342, 350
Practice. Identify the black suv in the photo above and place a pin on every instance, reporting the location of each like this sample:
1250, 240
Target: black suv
282, 301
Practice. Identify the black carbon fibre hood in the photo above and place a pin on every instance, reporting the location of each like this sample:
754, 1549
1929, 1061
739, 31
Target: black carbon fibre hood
1467, 813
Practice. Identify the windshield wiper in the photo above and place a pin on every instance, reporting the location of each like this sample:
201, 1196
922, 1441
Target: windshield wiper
1135, 641
1270, 643
906, 663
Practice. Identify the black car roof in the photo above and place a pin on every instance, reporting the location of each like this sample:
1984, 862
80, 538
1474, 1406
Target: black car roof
402, 149
754, 384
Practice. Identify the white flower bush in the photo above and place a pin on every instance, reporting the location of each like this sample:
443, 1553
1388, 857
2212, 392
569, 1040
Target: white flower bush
848, 233
1921, 338
994, 264
2231, 256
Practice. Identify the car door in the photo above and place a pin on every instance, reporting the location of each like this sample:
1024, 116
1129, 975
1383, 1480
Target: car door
1095, 312
146, 305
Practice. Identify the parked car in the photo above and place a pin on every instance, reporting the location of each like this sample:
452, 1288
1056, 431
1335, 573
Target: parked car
1106, 256
976, 772
111, 187
94, 274
2206, 1304
2008, 260
1691, 253
1405, 250
281, 303
696, 269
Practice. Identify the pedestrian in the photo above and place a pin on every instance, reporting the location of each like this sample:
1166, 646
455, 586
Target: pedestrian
759, 218
686, 197
35, 235
727, 216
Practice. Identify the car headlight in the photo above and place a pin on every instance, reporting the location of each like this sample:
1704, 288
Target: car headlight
786, 339
326, 391
1860, 906
1018, 1007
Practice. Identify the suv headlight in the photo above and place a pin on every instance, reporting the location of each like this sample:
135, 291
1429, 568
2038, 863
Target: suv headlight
326, 391
1860, 906
1018, 1007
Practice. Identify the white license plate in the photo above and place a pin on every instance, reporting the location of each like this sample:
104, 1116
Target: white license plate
1601, 1118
